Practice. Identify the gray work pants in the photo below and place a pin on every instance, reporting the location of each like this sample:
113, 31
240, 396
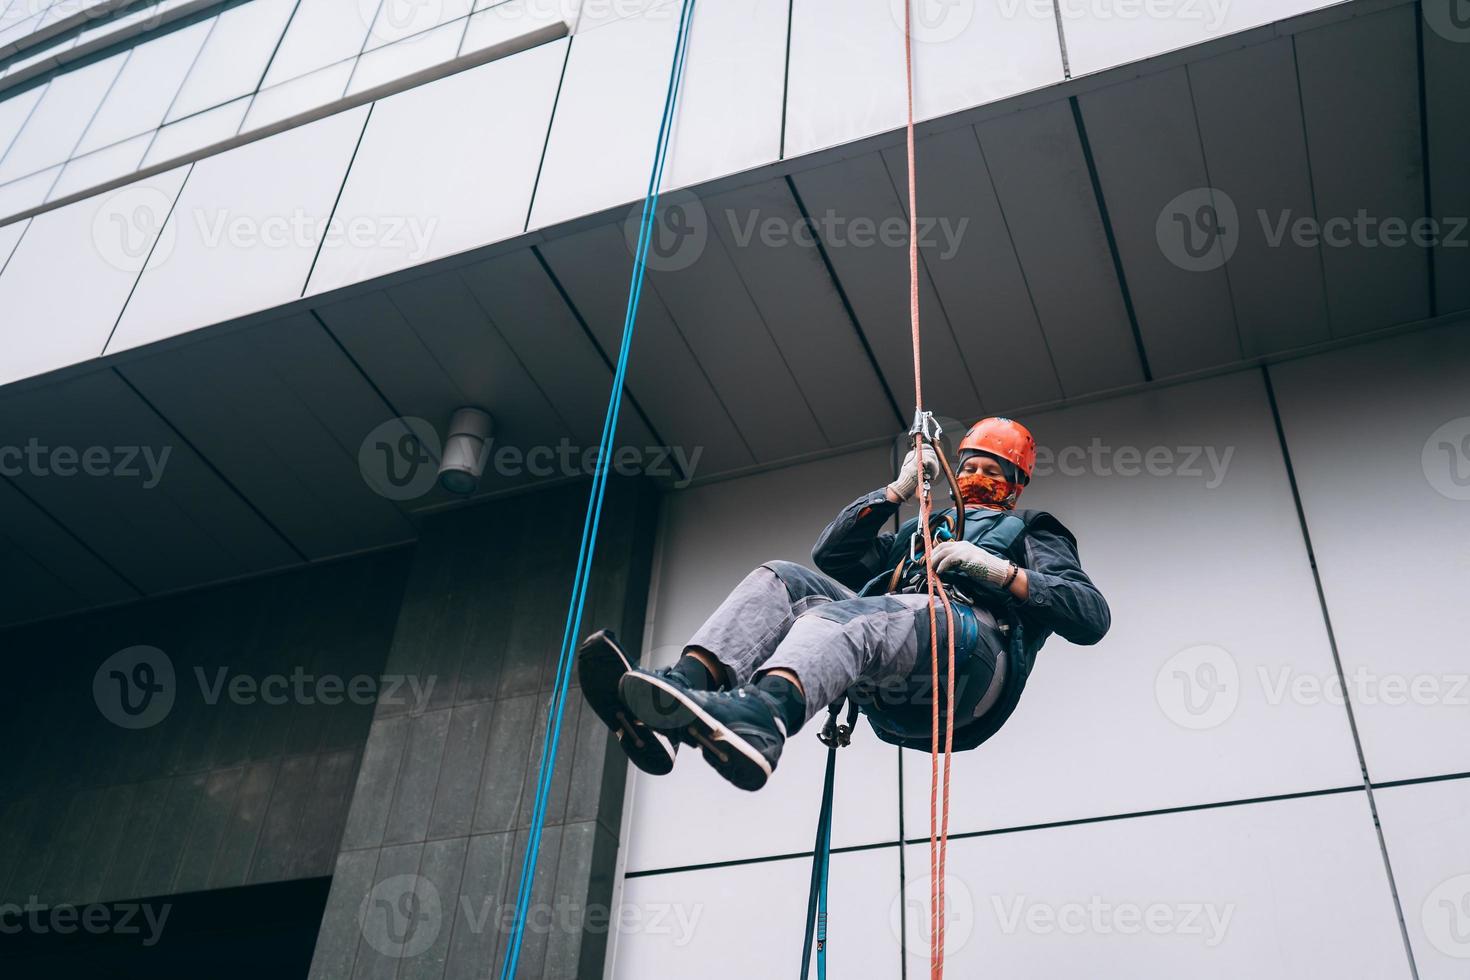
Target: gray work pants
787, 615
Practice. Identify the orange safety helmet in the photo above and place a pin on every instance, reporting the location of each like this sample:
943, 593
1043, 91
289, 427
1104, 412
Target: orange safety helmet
1005, 438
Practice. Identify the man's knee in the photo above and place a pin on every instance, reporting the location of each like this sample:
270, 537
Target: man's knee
799, 580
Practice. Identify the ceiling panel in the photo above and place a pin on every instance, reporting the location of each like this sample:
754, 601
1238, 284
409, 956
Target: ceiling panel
163, 524
594, 267
282, 413
1040, 174
863, 226
788, 282
1250, 124
522, 302
1364, 138
1149, 163
705, 295
973, 264
1447, 79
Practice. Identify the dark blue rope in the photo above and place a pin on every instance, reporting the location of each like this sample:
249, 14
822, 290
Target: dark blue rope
593, 517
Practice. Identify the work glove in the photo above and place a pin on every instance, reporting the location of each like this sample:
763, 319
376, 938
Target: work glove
908, 475
973, 562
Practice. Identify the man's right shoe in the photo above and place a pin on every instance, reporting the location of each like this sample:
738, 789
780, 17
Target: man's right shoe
601, 665
739, 731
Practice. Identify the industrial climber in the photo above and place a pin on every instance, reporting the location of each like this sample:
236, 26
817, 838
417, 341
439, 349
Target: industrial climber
790, 640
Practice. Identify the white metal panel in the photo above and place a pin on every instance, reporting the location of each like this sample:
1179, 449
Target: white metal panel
14, 111
1424, 832
196, 132
1244, 101
27, 192
1036, 160
402, 58
70, 276
1171, 493
235, 56
1152, 172
1279, 890
1367, 166
321, 32
246, 227
747, 920
147, 84
57, 123
301, 94
713, 536
607, 117
847, 63
1392, 415
117, 160
441, 176
10, 236
1102, 34
400, 19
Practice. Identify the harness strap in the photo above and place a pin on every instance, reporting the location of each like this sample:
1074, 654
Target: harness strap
834, 736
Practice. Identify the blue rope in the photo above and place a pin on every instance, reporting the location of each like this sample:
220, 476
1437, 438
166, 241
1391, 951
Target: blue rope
593, 519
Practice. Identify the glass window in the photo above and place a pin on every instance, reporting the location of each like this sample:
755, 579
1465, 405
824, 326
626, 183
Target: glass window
198, 131
146, 86
234, 58
13, 114
399, 19
322, 32
60, 118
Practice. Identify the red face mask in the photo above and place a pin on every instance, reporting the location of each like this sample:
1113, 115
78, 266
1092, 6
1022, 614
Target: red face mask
981, 490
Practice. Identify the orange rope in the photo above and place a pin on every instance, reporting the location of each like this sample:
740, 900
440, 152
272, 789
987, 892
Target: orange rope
938, 803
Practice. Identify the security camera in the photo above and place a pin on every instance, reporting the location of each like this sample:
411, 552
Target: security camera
463, 462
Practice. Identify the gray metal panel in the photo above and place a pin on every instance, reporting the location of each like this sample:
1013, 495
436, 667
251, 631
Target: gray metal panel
408, 819
972, 261
1041, 177
1250, 124
664, 375
715, 313
376, 779
282, 412
341, 930
1364, 140
1147, 150
861, 219
542, 331
1446, 80
795, 297
188, 527
280, 833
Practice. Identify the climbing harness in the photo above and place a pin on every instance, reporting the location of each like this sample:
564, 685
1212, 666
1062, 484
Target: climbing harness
834, 736
593, 518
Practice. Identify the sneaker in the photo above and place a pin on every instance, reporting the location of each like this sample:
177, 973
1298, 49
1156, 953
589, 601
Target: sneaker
740, 732
601, 665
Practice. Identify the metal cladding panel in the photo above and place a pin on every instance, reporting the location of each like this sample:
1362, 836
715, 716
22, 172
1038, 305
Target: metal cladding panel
244, 232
